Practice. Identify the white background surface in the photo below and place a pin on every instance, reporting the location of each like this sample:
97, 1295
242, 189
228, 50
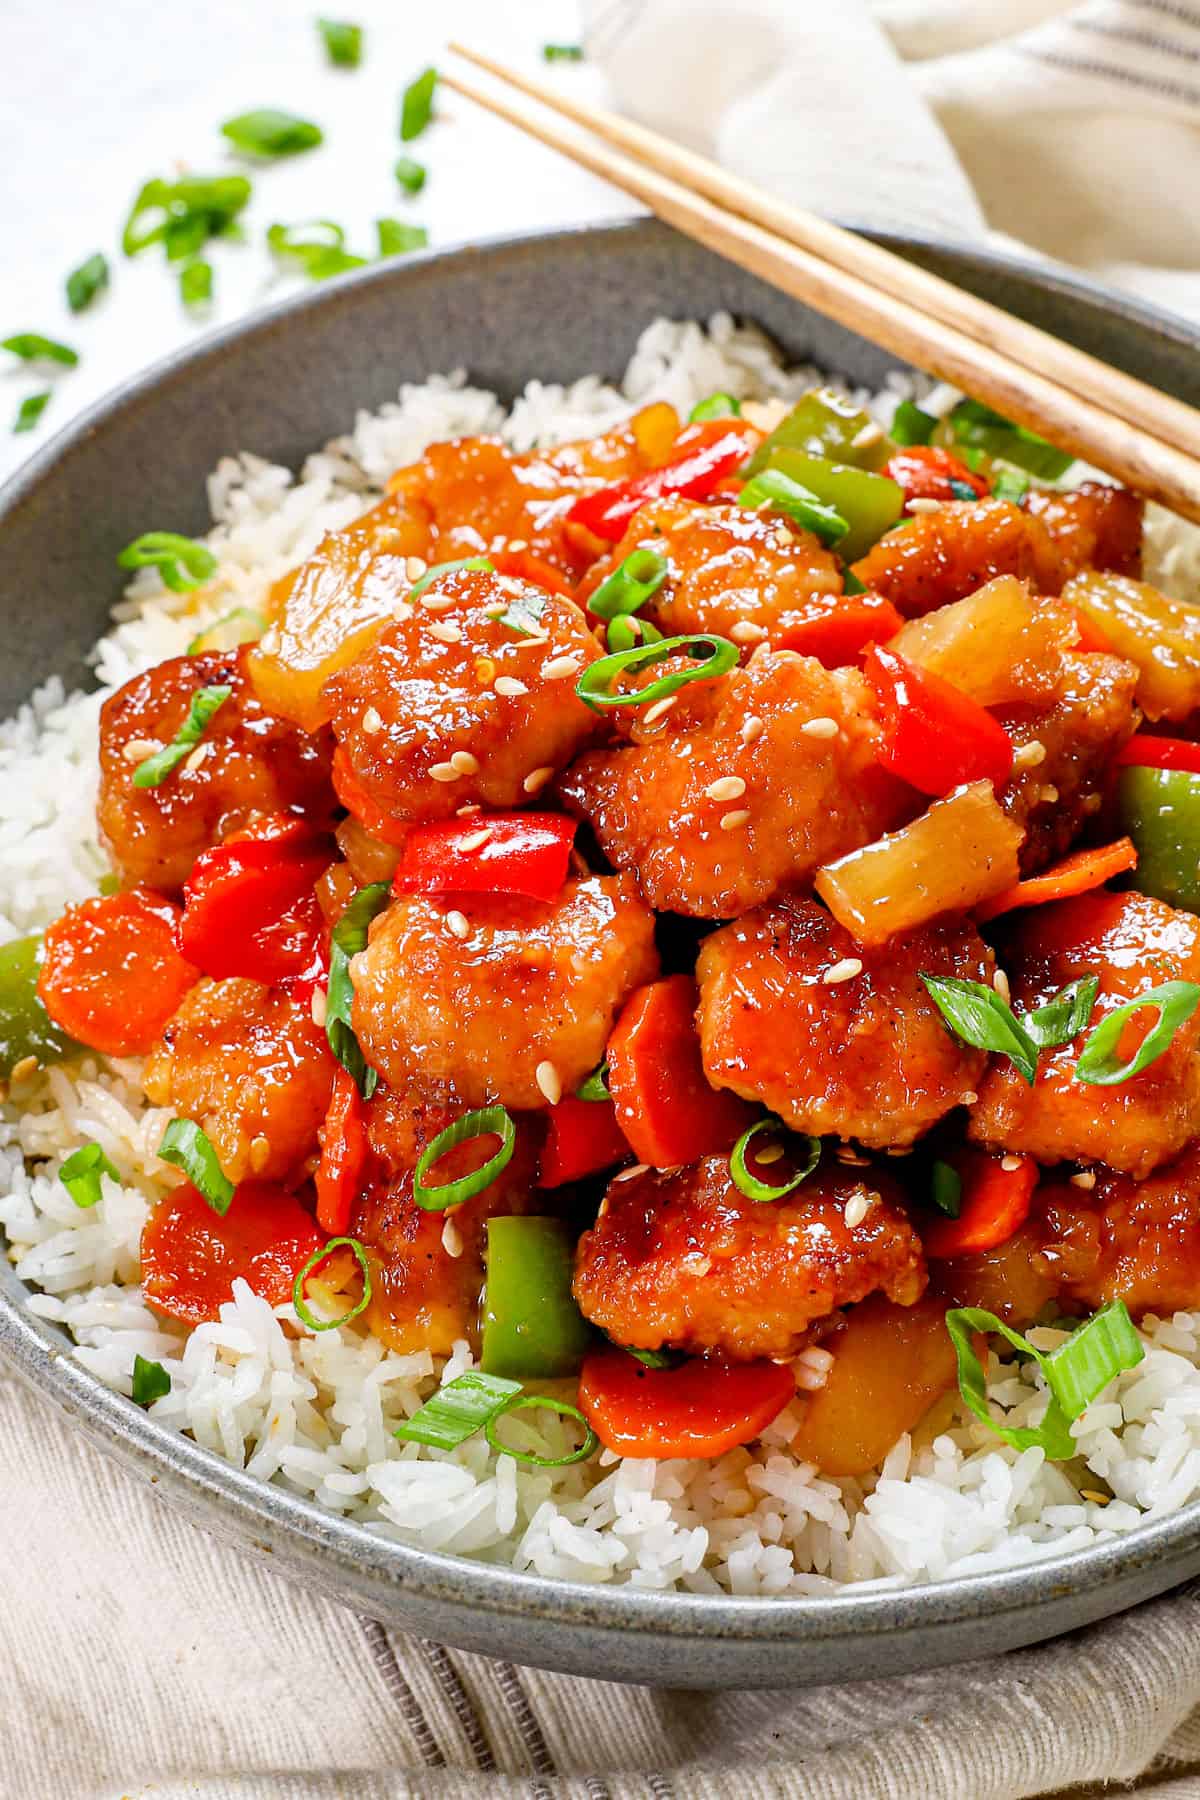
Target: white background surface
96, 96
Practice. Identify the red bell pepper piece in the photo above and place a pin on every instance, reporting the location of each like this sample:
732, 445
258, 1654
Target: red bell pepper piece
665, 1105
1090, 639
249, 907
191, 1255
701, 1408
995, 1204
523, 565
345, 1152
1144, 751
113, 972
840, 636
925, 472
704, 454
1078, 873
523, 853
933, 736
582, 1138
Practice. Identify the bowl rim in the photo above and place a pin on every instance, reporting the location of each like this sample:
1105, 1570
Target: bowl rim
348, 1556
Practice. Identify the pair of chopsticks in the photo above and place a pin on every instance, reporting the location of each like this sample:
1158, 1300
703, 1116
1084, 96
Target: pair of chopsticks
1134, 432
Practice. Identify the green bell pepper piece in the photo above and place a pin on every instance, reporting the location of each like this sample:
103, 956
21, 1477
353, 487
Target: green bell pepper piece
1160, 811
26, 1028
976, 425
532, 1328
870, 504
823, 423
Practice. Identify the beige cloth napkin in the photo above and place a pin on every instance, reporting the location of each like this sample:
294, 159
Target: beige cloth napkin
141, 1657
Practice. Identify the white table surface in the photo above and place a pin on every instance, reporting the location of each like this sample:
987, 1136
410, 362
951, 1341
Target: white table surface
96, 96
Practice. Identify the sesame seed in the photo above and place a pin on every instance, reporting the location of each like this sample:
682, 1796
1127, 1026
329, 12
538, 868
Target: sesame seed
270, 640
1000, 983
549, 1082
856, 1209
402, 611
444, 771
452, 1242
485, 670
457, 924
316, 1007
970, 1098
509, 686
25, 1069
731, 821
476, 841
870, 434
1010, 1164
820, 728
746, 631
415, 567
924, 506
464, 762
771, 1154
632, 1173
495, 612
437, 602
729, 787
811, 1380
659, 710
752, 728
1095, 1496
446, 631
1085, 1179
537, 779
518, 543
1029, 755
197, 756
467, 808
845, 970
1048, 793
260, 1153
138, 749
559, 667
372, 721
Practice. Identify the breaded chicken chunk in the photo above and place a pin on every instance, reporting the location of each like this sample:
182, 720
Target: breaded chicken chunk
936, 557
1095, 526
1136, 1241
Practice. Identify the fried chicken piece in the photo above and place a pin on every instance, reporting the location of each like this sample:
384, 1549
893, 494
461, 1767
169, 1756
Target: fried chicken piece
1094, 526
937, 557
1136, 1241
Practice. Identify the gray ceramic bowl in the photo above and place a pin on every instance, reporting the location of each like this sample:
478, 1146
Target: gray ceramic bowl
553, 306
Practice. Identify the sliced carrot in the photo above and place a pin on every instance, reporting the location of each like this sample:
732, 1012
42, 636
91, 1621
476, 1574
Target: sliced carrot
665, 1105
1078, 873
701, 1408
113, 972
191, 1255
995, 1203
344, 1154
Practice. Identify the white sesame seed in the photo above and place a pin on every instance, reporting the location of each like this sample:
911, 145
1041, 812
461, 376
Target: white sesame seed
464, 762
728, 787
372, 721
752, 728
856, 1209
820, 728
1029, 755
316, 1007
457, 924
970, 1098
260, 1154
549, 1082
444, 771
509, 686
495, 612
437, 602
1010, 1164
746, 631
731, 821
771, 1154
537, 779
1085, 1179
559, 667
845, 970
197, 756
452, 1242
24, 1070
476, 841
869, 434
924, 506
402, 611
415, 567
445, 631
1048, 793
632, 1173
138, 749
1000, 983
467, 808
270, 640
518, 543
659, 710
1095, 1496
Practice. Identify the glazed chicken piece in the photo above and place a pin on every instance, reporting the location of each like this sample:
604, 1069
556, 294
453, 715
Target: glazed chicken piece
529, 984
682, 1258
749, 783
1136, 1241
247, 762
1132, 943
867, 1057
937, 557
452, 704
1095, 526
247, 1064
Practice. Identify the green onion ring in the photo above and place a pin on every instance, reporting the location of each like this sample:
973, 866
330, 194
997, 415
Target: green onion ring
749, 1184
630, 585
595, 1086
1175, 1002
589, 1446
626, 633
486, 1121
593, 686
303, 1312
437, 570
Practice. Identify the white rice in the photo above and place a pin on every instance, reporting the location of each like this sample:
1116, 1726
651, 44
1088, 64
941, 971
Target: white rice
316, 1412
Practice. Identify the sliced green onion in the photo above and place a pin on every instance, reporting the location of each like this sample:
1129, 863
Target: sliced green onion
910, 425
978, 1016
652, 1359
1076, 1373
189, 1148
196, 282
182, 563
945, 1189
241, 626
589, 1446
416, 105
109, 885
777, 492
716, 406
269, 131
1065, 1016
851, 584
30, 411
212, 200
458, 1410
150, 1381
962, 490
81, 1172
751, 1185
348, 938
183, 238
485, 1121
397, 238
31, 346
1175, 1002
630, 585
595, 1086
304, 1312
410, 174
594, 686
976, 424
85, 282
203, 704
524, 615
627, 631
1009, 484
319, 257
343, 42
447, 568
553, 53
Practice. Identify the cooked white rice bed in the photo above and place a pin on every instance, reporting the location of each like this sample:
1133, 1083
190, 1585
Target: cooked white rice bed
316, 1412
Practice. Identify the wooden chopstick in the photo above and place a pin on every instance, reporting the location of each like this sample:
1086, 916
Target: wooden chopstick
1142, 406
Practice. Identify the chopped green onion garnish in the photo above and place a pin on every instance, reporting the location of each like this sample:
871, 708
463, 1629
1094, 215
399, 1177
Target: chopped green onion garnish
978, 1016
241, 626
85, 282
182, 563
343, 42
109, 885
204, 703
150, 1381
595, 1086
524, 614
1076, 1373
269, 131
81, 1172
397, 239
751, 1185
627, 631
447, 568
319, 257
196, 282
458, 1410
962, 490
1065, 1016
30, 411
562, 53
1007, 484
910, 425
31, 346
777, 492
416, 106
410, 174
303, 1311
945, 1189
348, 938
589, 1446
486, 1121
185, 1145
716, 406
594, 686
653, 1359
630, 585
851, 584
190, 210
976, 424
1175, 1002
